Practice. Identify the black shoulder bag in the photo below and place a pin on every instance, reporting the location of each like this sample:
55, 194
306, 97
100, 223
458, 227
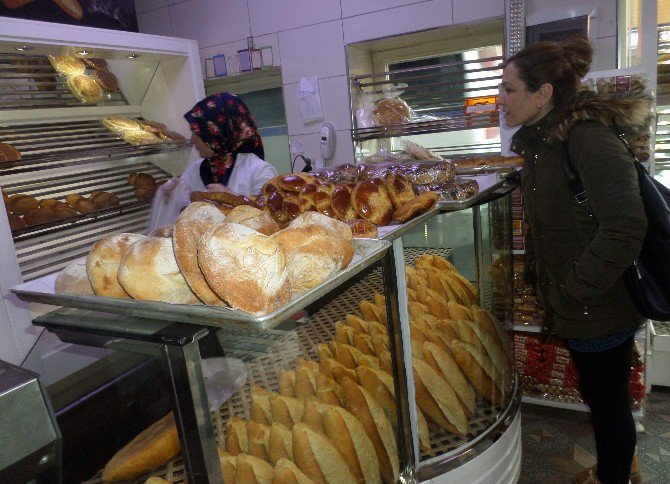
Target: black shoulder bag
648, 277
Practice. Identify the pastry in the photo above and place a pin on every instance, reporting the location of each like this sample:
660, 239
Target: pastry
21, 203
119, 124
68, 66
142, 180
399, 189
103, 200
306, 198
363, 229
152, 126
84, 88
171, 136
371, 201
245, 268
95, 63
80, 203
322, 199
416, 206
9, 153
102, 263
16, 222
144, 194
106, 80
140, 137
220, 197
340, 201
294, 182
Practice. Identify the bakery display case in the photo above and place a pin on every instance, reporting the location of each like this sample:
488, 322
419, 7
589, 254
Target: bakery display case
56, 86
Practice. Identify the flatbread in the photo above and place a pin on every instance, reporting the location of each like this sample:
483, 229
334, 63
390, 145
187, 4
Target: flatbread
84, 88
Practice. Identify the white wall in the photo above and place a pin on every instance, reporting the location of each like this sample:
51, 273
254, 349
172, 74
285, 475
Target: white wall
308, 38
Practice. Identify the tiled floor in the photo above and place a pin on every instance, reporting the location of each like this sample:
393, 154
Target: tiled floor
558, 443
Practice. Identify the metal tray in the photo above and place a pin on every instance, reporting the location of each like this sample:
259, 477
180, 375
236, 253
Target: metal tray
366, 253
507, 183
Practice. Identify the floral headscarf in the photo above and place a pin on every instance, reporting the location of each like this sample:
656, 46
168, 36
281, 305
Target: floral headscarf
225, 125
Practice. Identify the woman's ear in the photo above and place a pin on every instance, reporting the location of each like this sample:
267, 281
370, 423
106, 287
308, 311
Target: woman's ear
545, 93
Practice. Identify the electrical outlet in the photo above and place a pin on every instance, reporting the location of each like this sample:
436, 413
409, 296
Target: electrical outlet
297, 147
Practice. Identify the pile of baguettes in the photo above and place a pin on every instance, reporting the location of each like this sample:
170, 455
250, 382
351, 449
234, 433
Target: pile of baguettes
334, 420
240, 260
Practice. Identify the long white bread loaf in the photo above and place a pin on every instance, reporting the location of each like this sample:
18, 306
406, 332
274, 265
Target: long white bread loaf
318, 458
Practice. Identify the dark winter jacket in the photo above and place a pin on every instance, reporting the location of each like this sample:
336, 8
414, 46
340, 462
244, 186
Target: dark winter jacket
580, 258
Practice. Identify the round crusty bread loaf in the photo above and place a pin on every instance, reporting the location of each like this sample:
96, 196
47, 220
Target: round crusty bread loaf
73, 279
341, 229
102, 263
245, 268
149, 271
312, 255
196, 219
253, 218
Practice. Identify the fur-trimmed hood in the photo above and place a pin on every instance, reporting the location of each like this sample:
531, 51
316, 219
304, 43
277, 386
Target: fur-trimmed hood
627, 112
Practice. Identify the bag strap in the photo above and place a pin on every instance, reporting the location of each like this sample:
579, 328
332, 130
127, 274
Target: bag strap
575, 183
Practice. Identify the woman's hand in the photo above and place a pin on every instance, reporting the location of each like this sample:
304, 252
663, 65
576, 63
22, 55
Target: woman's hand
218, 187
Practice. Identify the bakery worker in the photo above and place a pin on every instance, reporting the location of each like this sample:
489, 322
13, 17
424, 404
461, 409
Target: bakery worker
226, 136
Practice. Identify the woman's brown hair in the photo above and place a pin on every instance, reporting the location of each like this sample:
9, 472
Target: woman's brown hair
560, 64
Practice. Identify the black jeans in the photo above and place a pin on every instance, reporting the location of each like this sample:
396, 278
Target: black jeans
603, 383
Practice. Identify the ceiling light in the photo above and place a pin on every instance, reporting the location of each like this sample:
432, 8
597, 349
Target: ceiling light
133, 56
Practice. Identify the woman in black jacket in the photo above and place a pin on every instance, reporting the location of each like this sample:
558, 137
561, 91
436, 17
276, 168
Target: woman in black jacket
580, 257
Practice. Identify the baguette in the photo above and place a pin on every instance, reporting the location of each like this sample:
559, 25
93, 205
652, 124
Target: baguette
237, 440
261, 411
286, 410
458, 311
327, 390
259, 435
363, 343
287, 383
318, 458
228, 463
252, 470
305, 383
220, 197
286, 472
380, 385
422, 429
313, 414
437, 398
443, 363
494, 349
314, 365
489, 322
348, 435
344, 334
356, 322
153, 447
372, 312
332, 368
359, 402
280, 443
479, 369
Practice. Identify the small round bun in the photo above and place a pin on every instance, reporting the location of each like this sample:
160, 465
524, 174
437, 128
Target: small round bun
102, 263
149, 271
245, 268
74, 280
253, 218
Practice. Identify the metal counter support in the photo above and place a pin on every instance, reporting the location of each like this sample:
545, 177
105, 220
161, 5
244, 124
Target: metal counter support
177, 346
393, 269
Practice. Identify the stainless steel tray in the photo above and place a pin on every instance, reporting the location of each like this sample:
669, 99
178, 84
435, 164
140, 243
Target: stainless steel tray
506, 184
366, 253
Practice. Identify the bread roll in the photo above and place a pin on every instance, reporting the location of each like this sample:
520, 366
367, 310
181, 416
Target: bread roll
74, 279
141, 179
253, 218
80, 203
149, 271
359, 402
312, 255
252, 470
21, 203
102, 263
237, 440
9, 153
153, 447
63, 211
318, 458
479, 369
371, 201
391, 111
341, 229
286, 472
245, 268
348, 435
340, 201
40, 216
103, 200
437, 399
280, 443
443, 363
195, 220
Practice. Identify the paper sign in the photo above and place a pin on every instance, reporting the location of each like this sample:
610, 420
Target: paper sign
309, 99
